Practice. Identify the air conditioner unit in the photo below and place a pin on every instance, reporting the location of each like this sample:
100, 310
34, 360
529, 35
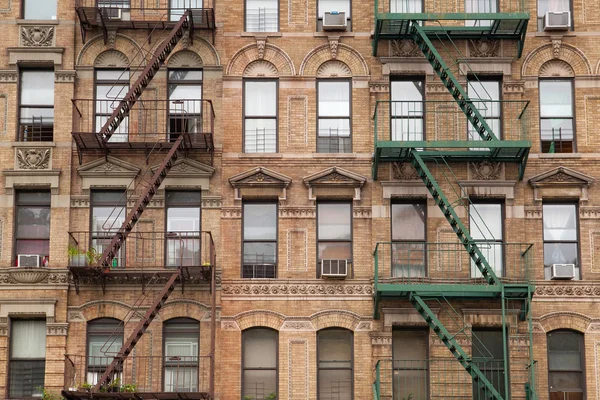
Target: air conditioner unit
28, 260
113, 14
562, 271
334, 268
557, 21
334, 21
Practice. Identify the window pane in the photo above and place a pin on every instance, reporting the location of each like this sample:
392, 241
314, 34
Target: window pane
183, 219
262, 15
183, 343
40, 9
105, 338
31, 197
488, 344
260, 253
260, 135
407, 91
560, 222
565, 361
334, 221
186, 74
334, 99
184, 92
37, 87
259, 384
565, 381
260, 222
26, 376
183, 197
108, 197
39, 247
556, 129
408, 260
564, 341
33, 222
485, 221
112, 75
406, 6
335, 348
335, 251
28, 339
410, 345
335, 384
408, 221
407, 129
260, 348
334, 5
107, 218
556, 99
109, 92
261, 98
334, 127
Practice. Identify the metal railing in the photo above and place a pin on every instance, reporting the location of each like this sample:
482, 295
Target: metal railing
423, 263
141, 374
148, 121
443, 120
437, 7
144, 250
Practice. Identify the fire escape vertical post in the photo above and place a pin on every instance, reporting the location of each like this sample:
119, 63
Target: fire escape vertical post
505, 343
213, 330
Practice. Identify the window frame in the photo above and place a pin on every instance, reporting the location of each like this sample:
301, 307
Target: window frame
17, 206
278, 18
11, 358
540, 20
23, 16
276, 241
43, 106
318, 358
581, 338
244, 116
350, 261
243, 368
500, 118
171, 15
349, 117
574, 203
100, 321
502, 203
319, 21
419, 331
165, 328
122, 255
106, 82
174, 204
500, 330
573, 115
423, 117
175, 82
409, 201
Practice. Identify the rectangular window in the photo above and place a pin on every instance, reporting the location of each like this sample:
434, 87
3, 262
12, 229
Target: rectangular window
406, 6
262, 15
407, 110
111, 87
556, 6
39, 9
114, 10
104, 341
259, 363
561, 239
178, 7
488, 355
27, 358
333, 7
486, 227
410, 363
408, 240
36, 106
334, 116
485, 95
107, 215
334, 233
335, 364
260, 116
183, 228
480, 7
557, 127
566, 365
260, 240
181, 340
32, 228
185, 102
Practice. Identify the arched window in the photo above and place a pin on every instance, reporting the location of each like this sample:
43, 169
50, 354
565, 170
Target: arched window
566, 368
181, 337
104, 340
259, 363
335, 364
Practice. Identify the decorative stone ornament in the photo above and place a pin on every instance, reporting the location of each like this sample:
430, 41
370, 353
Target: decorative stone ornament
37, 158
334, 182
260, 182
561, 182
404, 171
484, 48
37, 36
485, 170
404, 48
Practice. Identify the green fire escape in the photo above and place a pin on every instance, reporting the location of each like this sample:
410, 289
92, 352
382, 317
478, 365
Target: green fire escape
433, 277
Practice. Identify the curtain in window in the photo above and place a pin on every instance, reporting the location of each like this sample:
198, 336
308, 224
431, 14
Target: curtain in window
28, 339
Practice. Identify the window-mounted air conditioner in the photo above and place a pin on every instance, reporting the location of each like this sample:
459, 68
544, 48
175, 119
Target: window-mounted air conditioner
113, 14
334, 268
562, 271
334, 21
557, 21
29, 260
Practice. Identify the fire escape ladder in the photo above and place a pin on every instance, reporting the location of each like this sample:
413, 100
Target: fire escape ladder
451, 82
457, 226
436, 326
152, 67
139, 330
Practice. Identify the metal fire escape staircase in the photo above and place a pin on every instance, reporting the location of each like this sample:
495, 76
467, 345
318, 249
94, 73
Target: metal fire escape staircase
151, 189
417, 153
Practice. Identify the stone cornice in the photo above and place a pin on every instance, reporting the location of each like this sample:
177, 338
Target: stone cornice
275, 288
573, 289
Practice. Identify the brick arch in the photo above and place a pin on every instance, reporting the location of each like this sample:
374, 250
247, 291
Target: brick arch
344, 53
565, 320
183, 308
247, 54
201, 47
105, 309
567, 53
335, 319
123, 43
256, 318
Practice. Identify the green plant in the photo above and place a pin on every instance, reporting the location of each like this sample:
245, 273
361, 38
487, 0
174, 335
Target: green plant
248, 398
410, 397
72, 251
271, 396
92, 256
128, 388
47, 395
85, 386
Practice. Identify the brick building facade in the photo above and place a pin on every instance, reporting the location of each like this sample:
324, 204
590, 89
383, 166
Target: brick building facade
316, 257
